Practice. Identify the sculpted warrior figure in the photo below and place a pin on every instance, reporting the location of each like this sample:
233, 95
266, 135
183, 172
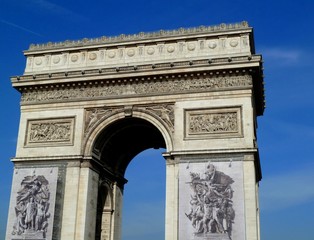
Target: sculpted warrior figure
30, 214
40, 223
19, 225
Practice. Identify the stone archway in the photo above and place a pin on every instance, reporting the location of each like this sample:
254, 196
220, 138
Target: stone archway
115, 147
88, 107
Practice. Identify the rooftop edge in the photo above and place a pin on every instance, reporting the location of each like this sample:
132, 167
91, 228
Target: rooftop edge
138, 36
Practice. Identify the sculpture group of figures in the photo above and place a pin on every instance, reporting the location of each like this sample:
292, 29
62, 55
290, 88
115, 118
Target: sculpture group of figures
218, 122
211, 205
32, 205
50, 132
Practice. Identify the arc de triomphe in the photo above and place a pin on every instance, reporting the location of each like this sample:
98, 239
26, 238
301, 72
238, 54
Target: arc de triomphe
89, 106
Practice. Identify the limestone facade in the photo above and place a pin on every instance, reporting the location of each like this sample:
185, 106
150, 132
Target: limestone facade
89, 106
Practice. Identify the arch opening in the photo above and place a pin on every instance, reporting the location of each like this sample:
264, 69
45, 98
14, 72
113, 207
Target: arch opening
114, 148
144, 197
122, 140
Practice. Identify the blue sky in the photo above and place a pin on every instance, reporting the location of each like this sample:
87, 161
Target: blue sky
284, 35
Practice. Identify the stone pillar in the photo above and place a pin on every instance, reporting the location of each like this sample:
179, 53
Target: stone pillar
251, 204
117, 213
104, 210
106, 222
171, 221
70, 204
87, 203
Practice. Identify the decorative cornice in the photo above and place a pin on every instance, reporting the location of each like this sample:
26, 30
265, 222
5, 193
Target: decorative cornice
140, 36
72, 75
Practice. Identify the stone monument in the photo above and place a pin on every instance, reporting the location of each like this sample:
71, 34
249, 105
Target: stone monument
89, 106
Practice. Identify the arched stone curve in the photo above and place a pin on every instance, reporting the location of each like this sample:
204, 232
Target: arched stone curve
166, 133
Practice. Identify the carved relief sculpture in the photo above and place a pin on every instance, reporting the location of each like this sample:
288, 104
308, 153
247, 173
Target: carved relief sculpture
213, 122
32, 208
94, 115
179, 85
211, 205
54, 131
164, 112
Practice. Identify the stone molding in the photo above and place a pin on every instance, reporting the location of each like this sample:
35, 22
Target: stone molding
45, 159
213, 123
140, 36
163, 85
52, 132
74, 164
136, 70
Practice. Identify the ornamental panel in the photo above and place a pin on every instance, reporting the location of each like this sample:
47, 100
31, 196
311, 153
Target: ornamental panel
54, 132
213, 123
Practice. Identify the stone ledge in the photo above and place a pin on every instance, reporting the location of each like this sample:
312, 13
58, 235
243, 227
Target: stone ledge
214, 66
140, 36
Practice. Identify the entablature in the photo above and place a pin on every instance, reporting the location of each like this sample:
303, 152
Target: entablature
178, 78
168, 61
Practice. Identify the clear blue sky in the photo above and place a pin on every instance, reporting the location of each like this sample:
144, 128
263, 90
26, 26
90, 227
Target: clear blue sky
284, 35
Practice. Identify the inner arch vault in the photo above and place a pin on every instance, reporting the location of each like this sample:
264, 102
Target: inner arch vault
122, 140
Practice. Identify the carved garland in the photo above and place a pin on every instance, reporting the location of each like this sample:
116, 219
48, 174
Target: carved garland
179, 85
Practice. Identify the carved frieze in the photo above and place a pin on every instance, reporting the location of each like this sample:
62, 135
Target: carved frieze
225, 122
157, 87
50, 132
